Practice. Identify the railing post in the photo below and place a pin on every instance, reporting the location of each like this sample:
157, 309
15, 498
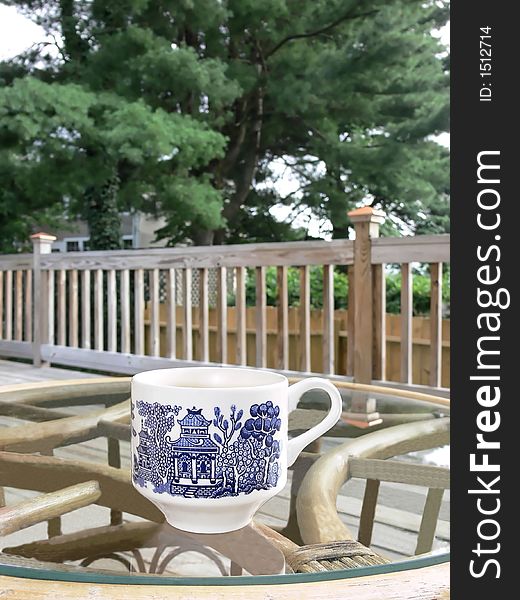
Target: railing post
42, 243
366, 222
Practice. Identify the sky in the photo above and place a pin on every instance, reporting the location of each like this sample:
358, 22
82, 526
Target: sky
17, 33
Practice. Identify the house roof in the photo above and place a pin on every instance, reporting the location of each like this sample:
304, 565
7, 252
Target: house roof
194, 444
194, 418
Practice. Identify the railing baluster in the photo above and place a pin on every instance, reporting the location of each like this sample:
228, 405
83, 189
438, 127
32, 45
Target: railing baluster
124, 299
111, 311
99, 343
139, 311
18, 306
28, 306
50, 289
154, 313
351, 321
406, 323
171, 314
187, 326
379, 326
73, 308
203, 315
62, 314
261, 318
9, 305
282, 318
305, 319
328, 319
77, 314
241, 312
222, 314
436, 324
85, 309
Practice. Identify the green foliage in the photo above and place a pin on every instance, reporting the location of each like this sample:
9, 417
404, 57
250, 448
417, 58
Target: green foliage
190, 104
63, 144
293, 287
421, 289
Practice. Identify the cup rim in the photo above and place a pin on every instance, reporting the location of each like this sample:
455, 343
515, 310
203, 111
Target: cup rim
146, 378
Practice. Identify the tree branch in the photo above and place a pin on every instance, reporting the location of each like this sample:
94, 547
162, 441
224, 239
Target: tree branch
74, 45
59, 48
236, 139
298, 36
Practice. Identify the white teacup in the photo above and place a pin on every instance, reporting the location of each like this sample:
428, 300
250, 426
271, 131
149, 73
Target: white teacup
210, 444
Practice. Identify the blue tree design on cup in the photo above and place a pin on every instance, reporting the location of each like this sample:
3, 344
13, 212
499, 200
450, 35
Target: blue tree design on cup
227, 428
153, 463
132, 415
244, 464
271, 453
232, 461
236, 458
260, 431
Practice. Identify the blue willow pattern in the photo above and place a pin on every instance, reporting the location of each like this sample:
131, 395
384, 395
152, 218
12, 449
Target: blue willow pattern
210, 458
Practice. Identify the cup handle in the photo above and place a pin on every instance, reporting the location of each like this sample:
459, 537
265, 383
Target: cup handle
297, 444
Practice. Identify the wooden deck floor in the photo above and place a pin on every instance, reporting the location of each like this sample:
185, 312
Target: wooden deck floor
12, 372
397, 516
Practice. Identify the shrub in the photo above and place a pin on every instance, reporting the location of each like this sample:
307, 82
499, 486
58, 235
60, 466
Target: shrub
421, 289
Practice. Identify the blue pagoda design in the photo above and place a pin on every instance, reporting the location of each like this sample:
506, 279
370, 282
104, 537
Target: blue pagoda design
145, 452
225, 456
194, 454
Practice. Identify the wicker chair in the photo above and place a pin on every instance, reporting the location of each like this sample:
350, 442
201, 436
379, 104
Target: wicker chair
347, 554
327, 542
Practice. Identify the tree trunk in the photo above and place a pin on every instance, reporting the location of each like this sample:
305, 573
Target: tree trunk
235, 473
339, 220
244, 168
266, 471
102, 215
203, 237
75, 47
243, 183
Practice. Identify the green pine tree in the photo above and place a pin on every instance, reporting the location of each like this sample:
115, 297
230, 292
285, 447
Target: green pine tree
187, 104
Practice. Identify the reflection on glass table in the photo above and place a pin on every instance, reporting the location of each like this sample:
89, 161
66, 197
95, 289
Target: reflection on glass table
358, 499
144, 547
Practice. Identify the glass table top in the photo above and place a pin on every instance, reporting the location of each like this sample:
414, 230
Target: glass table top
102, 544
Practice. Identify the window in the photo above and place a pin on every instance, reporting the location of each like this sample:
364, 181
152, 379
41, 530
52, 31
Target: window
73, 246
128, 242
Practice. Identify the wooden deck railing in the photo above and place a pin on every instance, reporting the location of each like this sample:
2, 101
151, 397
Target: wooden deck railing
421, 327
87, 309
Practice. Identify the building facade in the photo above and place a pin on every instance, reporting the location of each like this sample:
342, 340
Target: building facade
137, 231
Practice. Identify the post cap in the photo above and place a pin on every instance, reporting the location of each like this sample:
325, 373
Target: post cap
367, 214
44, 237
